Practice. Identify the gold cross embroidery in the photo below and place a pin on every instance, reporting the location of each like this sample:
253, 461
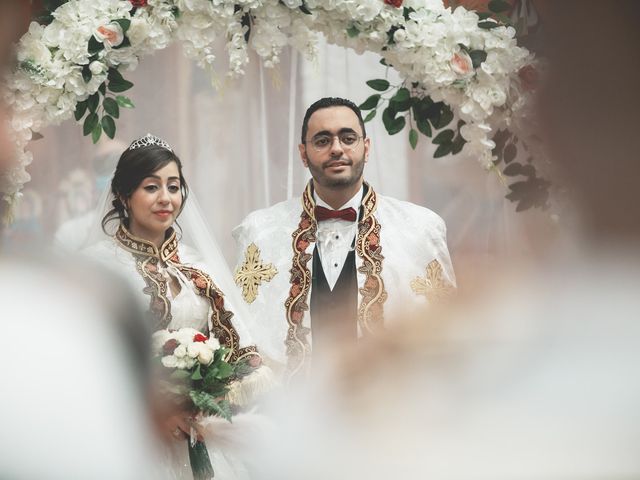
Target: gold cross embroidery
432, 285
252, 273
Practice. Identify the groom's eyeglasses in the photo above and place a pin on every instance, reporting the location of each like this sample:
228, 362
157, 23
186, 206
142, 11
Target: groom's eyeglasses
348, 140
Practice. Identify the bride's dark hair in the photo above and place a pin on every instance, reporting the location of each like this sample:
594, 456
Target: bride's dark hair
133, 167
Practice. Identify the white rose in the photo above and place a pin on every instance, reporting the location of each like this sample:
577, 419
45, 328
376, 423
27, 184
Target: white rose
111, 34
97, 67
180, 351
206, 356
170, 361
194, 349
213, 343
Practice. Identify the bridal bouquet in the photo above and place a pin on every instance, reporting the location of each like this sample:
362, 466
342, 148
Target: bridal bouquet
195, 375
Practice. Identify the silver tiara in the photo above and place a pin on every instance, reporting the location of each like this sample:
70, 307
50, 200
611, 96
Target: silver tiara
149, 140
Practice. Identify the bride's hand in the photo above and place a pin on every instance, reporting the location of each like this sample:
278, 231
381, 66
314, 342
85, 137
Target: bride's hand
177, 426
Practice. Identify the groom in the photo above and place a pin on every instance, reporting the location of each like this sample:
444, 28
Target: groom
336, 264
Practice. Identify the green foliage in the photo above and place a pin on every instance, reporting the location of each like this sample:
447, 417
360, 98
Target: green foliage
210, 405
93, 101
90, 123
499, 6
380, 85
413, 138
96, 132
124, 102
371, 102
477, 57
370, 116
110, 106
353, 31
81, 109
109, 126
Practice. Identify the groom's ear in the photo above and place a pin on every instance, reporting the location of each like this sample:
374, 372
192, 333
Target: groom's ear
302, 148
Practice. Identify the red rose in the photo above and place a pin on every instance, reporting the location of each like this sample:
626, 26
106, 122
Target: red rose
394, 3
169, 346
198, 337
138, 3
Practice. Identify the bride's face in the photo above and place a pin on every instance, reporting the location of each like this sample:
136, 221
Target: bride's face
155, 204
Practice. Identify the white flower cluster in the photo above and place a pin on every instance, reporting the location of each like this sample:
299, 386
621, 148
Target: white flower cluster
188, 348
431, 47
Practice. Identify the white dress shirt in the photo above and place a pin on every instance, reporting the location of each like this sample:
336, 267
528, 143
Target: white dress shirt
335, 238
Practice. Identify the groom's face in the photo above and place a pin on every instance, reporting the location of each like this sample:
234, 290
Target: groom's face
334, 159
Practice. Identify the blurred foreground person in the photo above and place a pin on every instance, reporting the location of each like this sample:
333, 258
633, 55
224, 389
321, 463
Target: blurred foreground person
73, 370
537, 379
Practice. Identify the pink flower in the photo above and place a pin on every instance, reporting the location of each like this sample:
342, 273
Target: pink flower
111, 35
461, 64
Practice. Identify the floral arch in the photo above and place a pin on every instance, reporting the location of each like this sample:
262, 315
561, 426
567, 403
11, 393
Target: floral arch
466, 83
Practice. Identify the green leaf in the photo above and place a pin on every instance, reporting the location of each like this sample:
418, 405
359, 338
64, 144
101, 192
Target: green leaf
488, 25
93, 101
124, 23
124, 102
370, 116
477, 57
109, 126
510, 153
118, 87
110, 106
371, 102
401, 100
95, 45
384, 62
424, 127
353, 31
397, 125
513, 169
113, 75
444, 117
380, 85
197, 374
498, 6
458, 144
90, 123
103, 88
86, 74
406, 11
483, 15
445, 136
442, 150
81, 109
303, 8
209, 405
96, 132
413, 138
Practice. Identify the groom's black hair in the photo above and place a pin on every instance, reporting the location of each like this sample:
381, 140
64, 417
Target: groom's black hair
327, 102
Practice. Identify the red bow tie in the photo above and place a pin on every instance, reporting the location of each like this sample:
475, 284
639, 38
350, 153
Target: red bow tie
348, 214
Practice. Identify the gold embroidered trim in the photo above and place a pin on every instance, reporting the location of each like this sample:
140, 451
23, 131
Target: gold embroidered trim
433, 285
147, 258
141, 246
370, 310
252, 273
297, 341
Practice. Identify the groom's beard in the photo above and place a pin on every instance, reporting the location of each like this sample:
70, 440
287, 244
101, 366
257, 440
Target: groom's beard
336, 183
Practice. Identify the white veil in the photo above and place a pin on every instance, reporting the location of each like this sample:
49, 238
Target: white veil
193, 234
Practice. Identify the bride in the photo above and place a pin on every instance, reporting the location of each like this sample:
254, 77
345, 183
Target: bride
178, 286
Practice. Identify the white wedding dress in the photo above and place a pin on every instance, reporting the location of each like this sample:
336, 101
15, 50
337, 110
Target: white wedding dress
229, 444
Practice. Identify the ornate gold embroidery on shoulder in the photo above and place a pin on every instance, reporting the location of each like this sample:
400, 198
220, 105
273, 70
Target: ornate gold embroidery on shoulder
371, 308
433, 285
156, 288
252, 273
297, 341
